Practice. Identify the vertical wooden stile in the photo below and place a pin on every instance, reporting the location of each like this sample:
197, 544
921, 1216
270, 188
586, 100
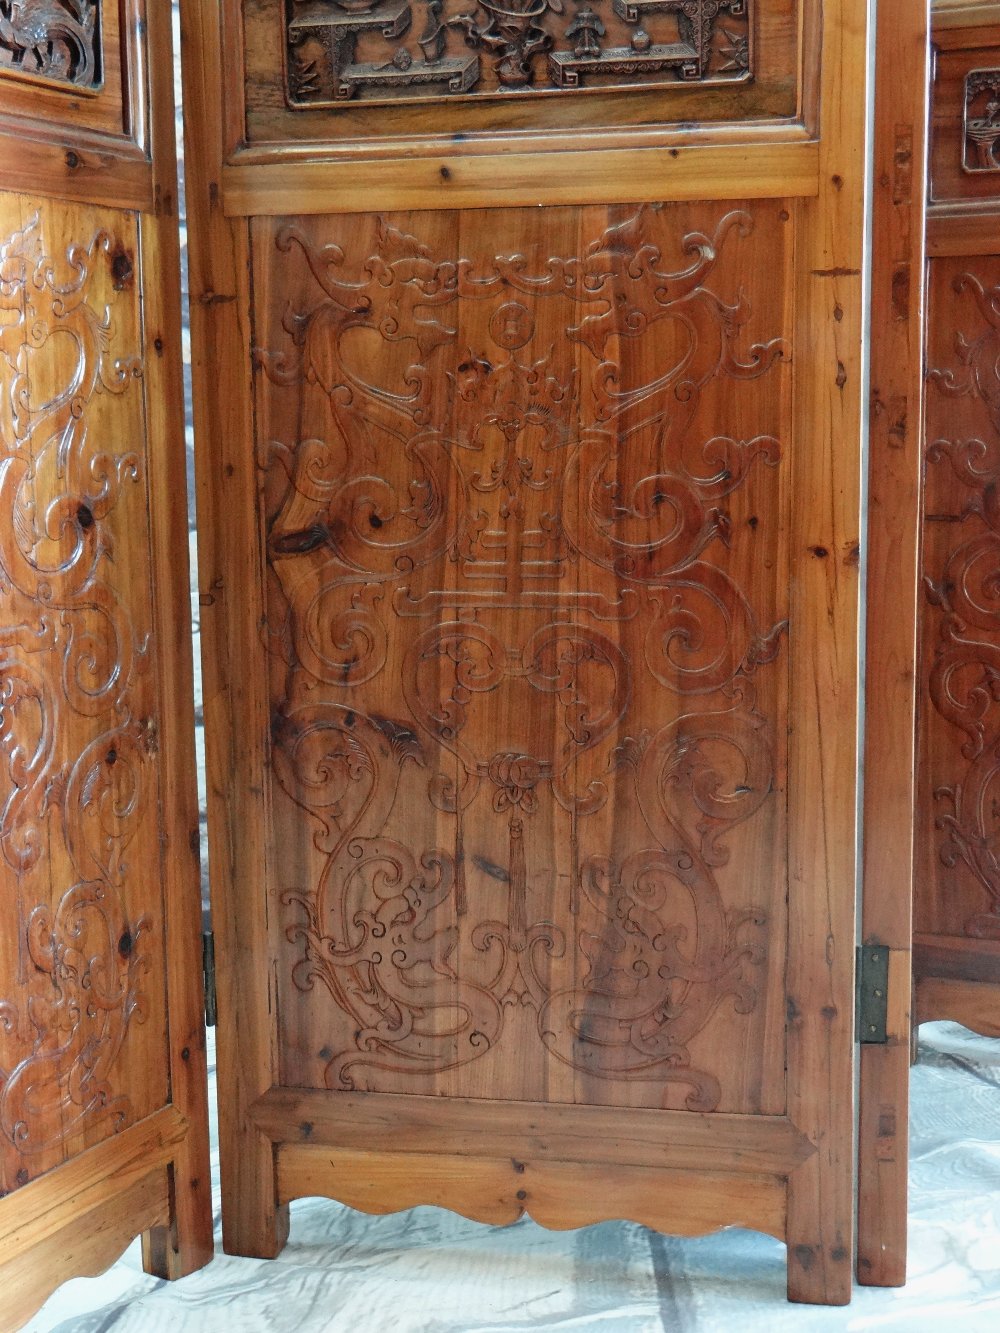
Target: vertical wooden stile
894, 478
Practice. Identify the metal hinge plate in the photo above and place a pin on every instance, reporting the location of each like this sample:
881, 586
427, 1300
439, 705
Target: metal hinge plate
873, 994
208, 966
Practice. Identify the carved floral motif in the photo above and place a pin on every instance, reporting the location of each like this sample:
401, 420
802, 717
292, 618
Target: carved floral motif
343, 49
965, 673
561, 538
69, 659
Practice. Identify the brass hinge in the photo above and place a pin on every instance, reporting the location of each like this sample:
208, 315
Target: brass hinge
873, 994
208, 966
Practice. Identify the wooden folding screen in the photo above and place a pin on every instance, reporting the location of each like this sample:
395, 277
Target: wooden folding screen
103, 1116
957, 903
529, 388
530, 353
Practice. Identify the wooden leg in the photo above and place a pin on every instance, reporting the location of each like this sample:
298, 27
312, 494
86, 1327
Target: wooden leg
186, 1243
254, 1224
819, 1234
882, 1164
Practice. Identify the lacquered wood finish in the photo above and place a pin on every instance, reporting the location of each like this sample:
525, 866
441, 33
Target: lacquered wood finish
530, 547
957, 901
102, 1032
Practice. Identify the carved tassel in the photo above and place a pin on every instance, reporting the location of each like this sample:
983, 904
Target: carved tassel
461, 897
518, 882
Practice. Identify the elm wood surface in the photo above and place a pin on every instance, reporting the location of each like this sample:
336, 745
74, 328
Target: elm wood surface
894, 489
102, 1034
480, 833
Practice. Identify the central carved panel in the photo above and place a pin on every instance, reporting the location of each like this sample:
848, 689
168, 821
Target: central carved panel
526, 613
78, 733
390, 50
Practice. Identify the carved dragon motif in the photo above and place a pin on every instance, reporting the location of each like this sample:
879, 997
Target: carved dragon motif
522, 467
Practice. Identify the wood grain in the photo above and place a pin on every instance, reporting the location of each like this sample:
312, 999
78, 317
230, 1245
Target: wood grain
234, 663
473, 181
971, 1003
77, 1220
765, 1145
475, 846
894, 482
99, 973
825, 535
85, 1246
560, 1195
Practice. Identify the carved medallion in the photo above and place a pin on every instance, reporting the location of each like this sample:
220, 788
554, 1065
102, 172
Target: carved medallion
393, 50
981, 141
54, 40
514, 696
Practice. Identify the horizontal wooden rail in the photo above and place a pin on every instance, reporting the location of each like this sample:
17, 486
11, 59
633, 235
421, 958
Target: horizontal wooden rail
89, 168
557, 1195
956, 230
106, 1170
519, 178
393, 1123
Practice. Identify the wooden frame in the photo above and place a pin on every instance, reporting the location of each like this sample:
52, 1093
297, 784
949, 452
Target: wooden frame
152, 1177
802, 1185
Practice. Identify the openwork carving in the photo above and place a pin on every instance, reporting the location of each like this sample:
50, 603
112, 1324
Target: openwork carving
57, 40
388, 50
965, 674
982, 120
74, 756
521, 507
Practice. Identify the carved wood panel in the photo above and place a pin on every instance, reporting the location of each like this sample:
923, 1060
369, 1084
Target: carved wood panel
982, 120
53, 40
81, 999
958, 881
371, 69
522, 483
965, 152
388, 50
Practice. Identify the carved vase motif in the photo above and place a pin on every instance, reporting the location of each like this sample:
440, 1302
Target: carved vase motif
493, 612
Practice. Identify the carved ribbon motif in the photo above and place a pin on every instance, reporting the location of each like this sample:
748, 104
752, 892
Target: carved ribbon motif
73, 754
557, 528
965, 674
52, 39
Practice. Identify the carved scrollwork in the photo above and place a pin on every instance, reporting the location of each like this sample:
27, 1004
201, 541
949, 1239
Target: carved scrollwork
964, 680
487, 517
75, 753
338, 50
